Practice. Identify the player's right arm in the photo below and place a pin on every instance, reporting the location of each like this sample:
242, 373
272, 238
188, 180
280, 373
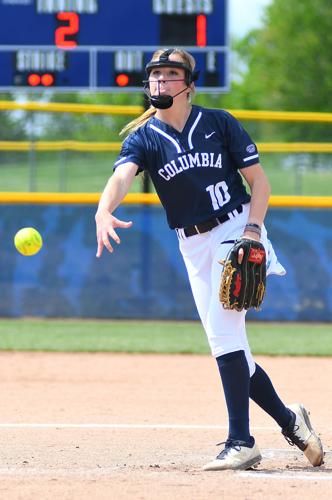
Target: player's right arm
115, 190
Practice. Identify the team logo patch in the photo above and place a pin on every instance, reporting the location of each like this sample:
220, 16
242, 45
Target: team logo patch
251, 148
256, 255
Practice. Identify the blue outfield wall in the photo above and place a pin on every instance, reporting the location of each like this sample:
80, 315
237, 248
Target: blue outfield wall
145, 277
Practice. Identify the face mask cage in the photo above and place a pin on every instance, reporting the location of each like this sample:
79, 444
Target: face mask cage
165, 62
187, 75
165, 101
146, 82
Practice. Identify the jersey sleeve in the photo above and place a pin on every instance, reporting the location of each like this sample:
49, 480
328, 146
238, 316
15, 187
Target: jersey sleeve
241, 147
132, 150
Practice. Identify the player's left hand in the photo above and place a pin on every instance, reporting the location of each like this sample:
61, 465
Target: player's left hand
243, 285
249, 235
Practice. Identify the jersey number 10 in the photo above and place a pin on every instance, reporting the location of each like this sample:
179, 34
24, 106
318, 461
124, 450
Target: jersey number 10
219, 194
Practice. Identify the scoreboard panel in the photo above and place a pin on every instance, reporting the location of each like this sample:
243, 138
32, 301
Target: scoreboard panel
104, 45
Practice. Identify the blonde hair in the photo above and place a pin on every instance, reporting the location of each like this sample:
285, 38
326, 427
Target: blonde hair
143, 118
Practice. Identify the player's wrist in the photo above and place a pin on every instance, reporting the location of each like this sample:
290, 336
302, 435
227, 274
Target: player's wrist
102, 212
250, 235
253, 227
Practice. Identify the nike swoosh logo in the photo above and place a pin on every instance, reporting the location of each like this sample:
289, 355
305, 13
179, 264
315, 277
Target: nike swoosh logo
207, 136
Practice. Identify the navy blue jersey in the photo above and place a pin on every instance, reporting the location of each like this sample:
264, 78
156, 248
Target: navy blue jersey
195, 172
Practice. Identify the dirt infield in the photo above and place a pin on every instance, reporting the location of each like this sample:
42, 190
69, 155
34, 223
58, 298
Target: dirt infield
115, 426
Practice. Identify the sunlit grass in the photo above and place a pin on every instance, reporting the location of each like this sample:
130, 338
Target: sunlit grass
294, 339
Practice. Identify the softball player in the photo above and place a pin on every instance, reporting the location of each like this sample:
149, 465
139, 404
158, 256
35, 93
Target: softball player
197, 159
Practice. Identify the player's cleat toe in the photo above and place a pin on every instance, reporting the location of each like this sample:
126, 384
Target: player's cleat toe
301, 434
237, 455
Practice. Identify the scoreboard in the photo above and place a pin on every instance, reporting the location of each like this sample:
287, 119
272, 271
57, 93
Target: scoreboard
104, 45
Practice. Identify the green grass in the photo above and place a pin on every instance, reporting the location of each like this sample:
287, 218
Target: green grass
88, 172
294, 339
289, 176
68, 172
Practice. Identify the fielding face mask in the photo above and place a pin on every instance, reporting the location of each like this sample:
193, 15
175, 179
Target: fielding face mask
166, 101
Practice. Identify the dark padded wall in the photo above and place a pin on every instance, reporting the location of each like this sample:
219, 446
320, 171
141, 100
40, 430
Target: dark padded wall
145, 276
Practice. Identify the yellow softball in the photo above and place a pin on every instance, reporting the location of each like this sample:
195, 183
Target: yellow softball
28, 241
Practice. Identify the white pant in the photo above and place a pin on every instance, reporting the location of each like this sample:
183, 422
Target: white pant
225, 329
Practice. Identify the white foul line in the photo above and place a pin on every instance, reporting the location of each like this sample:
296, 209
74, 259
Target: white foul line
267, 453
310, 476
108, 471
34, 471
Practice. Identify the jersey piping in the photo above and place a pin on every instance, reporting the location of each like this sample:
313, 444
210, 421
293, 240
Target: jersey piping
194, 125
250, 157
121, 160
168, 137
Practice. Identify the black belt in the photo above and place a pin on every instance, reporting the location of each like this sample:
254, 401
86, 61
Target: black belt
204, 227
